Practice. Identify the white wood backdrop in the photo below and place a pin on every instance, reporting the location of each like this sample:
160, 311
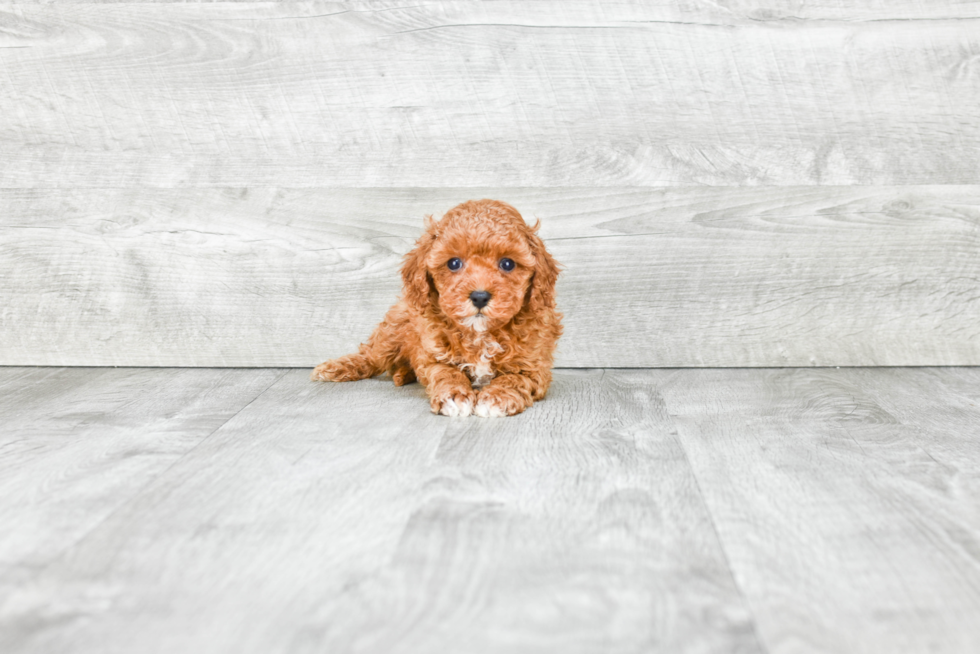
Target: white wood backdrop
728, 183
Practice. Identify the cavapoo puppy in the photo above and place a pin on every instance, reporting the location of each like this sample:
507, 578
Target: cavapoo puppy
476, 323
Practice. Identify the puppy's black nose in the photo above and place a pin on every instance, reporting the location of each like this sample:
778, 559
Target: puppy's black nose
480, 298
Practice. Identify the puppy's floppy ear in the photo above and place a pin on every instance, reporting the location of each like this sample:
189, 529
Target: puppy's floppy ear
542, 292
415, 276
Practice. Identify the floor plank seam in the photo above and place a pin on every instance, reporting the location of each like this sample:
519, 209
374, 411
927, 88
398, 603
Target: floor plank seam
138, 494
763, 646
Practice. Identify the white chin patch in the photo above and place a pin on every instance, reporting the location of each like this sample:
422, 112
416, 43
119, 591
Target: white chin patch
477, 323
488, 410
455, 409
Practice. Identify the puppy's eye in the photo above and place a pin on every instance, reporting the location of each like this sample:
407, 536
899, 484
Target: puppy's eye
506, 264
455, 263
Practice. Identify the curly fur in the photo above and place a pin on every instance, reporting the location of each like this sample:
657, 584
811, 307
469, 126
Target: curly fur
490, 362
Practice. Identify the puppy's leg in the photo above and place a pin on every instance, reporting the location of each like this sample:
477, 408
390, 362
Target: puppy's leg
510, 394
350, 367
402, 373
373, 357
450, 391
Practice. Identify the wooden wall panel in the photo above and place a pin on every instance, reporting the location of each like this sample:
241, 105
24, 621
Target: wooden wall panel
489, 94
654, 277
233, 183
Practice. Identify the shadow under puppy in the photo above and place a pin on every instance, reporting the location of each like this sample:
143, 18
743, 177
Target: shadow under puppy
476, 323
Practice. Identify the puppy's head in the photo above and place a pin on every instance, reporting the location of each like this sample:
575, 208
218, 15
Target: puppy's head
481, 265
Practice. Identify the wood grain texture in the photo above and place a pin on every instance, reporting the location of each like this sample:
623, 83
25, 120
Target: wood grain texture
653, 277
76, 445
512, 94
845, 501
311, 522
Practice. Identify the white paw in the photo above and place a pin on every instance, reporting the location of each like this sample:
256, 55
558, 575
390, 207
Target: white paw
454, 409
487, 410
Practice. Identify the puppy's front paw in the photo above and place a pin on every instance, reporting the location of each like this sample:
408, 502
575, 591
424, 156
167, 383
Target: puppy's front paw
455, 403
499, 401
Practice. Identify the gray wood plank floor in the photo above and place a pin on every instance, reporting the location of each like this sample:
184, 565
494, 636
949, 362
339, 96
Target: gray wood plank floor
789, 510
77, 444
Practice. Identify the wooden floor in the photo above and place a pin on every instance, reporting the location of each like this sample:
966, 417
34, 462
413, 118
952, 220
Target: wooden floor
735, 510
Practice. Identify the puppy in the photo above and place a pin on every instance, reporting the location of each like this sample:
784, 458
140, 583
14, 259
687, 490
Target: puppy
476, 323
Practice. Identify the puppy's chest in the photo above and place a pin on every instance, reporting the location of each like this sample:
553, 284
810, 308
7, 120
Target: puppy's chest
479, 365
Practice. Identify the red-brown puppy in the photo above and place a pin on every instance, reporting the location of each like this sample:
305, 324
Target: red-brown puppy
476, 323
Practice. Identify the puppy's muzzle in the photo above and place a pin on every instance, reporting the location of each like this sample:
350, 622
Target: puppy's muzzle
480, 299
